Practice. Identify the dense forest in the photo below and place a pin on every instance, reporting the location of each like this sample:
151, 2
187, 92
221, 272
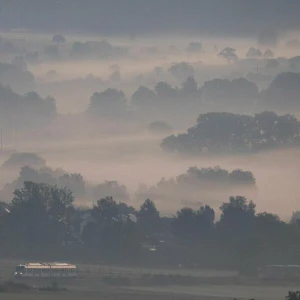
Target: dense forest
41, 221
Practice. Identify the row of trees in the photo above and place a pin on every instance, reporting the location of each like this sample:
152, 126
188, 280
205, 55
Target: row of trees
184, 187
215, 95
42, 222
227, 132
21, 111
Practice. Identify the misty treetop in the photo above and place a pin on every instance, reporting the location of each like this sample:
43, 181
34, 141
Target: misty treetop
231, 133
198, 185
216, 176
230, 95
30, 109
109, 103
96, 50
22, 159
283, 92
33, 168
16, 76
170, 103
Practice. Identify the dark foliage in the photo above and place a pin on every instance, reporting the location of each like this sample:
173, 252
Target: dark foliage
231, 133
42, 222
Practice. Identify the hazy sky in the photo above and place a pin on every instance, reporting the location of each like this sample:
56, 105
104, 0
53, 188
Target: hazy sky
213, 17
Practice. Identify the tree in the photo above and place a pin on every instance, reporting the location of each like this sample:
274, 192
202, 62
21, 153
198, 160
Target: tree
268, 53
110, 103
293, 295
229, 54
184, 223
18, 160
253, 52
189, 87
295, 219
143, 99
73, 182
164, 91
237, 215
148, 217
58, 39
220, 132
40, 213
226, 95
191, 224
106, 210
282, 92
182, 70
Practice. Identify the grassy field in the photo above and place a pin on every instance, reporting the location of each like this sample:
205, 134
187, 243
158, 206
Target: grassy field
162, 293
211, 284
104, 294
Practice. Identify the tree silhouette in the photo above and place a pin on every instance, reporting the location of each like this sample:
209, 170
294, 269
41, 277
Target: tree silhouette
229, 54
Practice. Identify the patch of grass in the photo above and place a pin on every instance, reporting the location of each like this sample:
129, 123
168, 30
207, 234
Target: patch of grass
54, 287
116, 280
13, 287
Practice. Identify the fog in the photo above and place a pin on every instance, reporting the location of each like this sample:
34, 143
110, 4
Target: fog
112, 148
137, 159
144, 134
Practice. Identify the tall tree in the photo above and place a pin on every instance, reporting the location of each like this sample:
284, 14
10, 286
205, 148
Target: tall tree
40, 213
148, 217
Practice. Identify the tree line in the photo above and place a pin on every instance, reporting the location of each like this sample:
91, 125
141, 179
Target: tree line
184, 187
233, 133
237, 95
42, 222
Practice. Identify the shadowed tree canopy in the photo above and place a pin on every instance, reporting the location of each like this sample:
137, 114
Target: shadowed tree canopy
18, 160
182, 70
237, 216
40, 174
197, 185
106, 210
227, 132
229, 54
96, 50
21, 111
40, 213
110, 103
190, 223
148, 217
20, 80
144, 99
253, 52
235, 95
283, 92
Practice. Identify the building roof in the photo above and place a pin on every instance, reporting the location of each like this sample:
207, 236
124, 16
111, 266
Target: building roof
44, 265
